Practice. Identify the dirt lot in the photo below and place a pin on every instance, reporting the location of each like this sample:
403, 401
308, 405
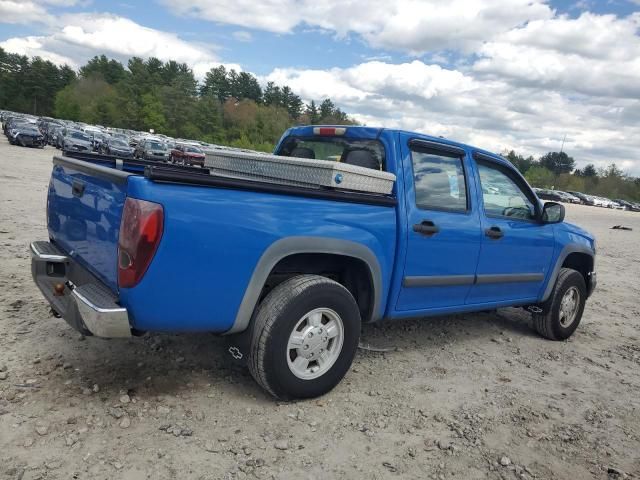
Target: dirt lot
469, 396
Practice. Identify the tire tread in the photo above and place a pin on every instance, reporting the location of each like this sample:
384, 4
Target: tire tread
542, 322
267, 314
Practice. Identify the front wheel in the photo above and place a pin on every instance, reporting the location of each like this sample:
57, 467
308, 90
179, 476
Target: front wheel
304, 337
562, 313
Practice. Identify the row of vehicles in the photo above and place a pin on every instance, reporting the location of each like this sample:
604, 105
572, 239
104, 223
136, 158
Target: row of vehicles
584, 199
28, 131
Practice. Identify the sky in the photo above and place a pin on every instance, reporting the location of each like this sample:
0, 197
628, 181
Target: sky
523, 75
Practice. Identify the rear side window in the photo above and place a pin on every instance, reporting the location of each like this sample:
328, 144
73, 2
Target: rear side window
439, 182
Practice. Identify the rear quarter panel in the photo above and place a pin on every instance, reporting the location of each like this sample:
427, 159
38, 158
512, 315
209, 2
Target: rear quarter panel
214, 238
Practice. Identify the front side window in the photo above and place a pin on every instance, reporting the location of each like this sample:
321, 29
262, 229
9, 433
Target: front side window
439, 182
502, 196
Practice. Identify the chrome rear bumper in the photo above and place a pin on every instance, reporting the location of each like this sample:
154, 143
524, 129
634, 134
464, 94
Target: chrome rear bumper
82, 300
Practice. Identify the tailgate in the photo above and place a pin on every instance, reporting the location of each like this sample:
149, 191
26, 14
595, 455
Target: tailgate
84, 206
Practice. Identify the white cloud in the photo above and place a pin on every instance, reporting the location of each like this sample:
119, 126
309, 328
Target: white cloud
34, 47
78, 37
18, 11
593, 54
416, 26
485, 112
32, 11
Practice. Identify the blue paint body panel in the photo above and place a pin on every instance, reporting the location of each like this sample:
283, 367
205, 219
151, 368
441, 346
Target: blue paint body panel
213, 239
86, 226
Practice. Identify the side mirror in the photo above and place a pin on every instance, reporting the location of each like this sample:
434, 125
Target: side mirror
553, 212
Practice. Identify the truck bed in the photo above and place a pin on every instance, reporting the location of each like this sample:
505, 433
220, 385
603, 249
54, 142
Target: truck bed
216, 230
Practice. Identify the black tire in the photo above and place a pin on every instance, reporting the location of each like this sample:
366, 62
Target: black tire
548, 323
273, 323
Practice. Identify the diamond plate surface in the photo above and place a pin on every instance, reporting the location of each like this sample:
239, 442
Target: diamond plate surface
297, 171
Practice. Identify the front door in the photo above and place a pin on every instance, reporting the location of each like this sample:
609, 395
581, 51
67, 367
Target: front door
443, 231
516, 248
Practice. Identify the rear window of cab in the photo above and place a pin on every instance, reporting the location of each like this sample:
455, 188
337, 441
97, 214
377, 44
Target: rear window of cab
363, 153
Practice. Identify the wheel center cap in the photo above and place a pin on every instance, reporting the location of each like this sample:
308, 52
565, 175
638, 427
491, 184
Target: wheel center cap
315, 342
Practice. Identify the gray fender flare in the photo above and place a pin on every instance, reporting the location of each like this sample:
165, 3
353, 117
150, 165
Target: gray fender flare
296, 245
566, 251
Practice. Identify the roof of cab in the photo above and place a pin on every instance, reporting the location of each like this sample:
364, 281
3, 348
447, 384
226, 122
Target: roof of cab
374, 132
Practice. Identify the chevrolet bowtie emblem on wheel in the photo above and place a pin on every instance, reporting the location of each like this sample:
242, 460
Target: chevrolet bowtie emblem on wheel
235, 353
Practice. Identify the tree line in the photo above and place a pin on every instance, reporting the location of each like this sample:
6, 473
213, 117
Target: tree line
226, 107
557, 170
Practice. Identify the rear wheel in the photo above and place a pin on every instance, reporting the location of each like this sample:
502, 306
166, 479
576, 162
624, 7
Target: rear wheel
562, 313
304, 337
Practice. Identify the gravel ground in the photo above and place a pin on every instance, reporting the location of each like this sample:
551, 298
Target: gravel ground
466, 396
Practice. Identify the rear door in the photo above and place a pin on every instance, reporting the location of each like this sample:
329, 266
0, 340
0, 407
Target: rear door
516, 249
443, 230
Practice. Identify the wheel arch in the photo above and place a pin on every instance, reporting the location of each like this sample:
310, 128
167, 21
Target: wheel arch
294, 250
574, 256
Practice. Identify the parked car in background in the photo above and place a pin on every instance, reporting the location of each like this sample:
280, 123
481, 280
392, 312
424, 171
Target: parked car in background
53, 135
186, 154
626, 205
606, 203
549, 195
116, 146
597, 201
97, 139
77, 141
568, 197
120, 136
134, 140
152, 149
584, 198
27, 135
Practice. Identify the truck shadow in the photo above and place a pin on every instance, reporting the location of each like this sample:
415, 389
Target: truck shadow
166, 368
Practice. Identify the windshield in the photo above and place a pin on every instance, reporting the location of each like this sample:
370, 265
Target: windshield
118, 143
80, 136
363, 153
192, 150
156, 146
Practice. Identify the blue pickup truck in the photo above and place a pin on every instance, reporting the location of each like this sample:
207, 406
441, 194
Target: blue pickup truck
291, 272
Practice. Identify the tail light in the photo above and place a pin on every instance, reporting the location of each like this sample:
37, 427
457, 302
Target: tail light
140, 234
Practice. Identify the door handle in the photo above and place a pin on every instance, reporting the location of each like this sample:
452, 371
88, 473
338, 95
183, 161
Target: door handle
427, 227
494, 233
77, 188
